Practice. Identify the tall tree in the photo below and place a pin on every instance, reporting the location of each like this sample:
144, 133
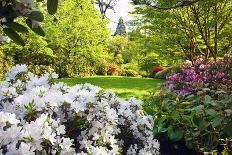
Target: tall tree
201, 28
75, 41
121, 28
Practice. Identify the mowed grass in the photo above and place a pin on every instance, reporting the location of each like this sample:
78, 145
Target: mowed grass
124, 87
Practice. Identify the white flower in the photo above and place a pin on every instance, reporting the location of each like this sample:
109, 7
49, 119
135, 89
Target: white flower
37, 116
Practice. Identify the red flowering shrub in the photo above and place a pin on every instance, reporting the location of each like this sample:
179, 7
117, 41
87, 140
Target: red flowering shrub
155, 70
113, 69
214, 75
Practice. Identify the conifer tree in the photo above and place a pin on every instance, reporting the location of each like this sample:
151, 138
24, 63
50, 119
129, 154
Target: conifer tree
121, 28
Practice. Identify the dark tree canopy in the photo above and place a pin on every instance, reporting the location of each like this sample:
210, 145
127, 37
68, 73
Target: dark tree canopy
121, 28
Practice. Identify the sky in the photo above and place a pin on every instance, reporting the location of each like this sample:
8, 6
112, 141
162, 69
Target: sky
122, 9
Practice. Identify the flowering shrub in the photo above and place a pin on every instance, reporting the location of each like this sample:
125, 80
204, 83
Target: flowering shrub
12, 9
158, 68
201, 74
166, 72
113, 69
155, 70
39, 117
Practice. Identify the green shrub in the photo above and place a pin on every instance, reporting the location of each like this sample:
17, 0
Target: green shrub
40, 69
130, 69
130, 72
143, 73
203, 121
6, 62
101, 68
149, 61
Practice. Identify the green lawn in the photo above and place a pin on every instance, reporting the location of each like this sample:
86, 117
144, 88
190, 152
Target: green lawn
124, 87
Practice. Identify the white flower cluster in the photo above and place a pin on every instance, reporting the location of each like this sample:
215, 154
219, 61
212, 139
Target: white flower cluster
40, 117
10, 9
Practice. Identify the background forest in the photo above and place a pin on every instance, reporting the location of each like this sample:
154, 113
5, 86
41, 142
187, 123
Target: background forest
82, 44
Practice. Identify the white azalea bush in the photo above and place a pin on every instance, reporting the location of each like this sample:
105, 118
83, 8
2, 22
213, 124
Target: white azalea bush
38, 116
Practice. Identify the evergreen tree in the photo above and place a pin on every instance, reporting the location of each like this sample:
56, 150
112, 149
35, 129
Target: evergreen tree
121, 28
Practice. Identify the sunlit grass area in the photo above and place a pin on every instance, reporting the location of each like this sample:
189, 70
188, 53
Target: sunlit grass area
124, 87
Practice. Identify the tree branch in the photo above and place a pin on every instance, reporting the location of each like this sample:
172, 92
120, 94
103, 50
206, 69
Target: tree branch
180, 4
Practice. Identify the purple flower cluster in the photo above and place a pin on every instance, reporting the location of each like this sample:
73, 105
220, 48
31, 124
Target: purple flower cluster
182, 81
209, 74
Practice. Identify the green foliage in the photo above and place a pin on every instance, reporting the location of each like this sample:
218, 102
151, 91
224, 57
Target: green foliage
52, 6
149, 61
182, 33
203, 121
74, 45
6, 63
78, 41
117, 46
130, 69
154, 32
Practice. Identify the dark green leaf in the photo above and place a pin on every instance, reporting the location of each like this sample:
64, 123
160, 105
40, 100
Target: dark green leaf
175, 134
37, 30
14, 36
217, 121
227, 129
18, 27
36, 15
210, 141
200, 123
52, 6
211, 112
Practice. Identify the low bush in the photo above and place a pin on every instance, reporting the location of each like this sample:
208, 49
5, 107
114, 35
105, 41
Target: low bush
130, 72
202, 121
195, 106
113, 69
209, 74
40, 117
143, 73
130, 69
155, 70
40, 69
166, 72
148, 62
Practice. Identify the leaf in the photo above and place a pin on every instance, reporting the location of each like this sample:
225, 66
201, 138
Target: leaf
52, 6
227, 129
14, 36
208, 99
217, 121
18, 27
36, 15
200, 123
175, 134
211, 112
210, 141
37, 30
